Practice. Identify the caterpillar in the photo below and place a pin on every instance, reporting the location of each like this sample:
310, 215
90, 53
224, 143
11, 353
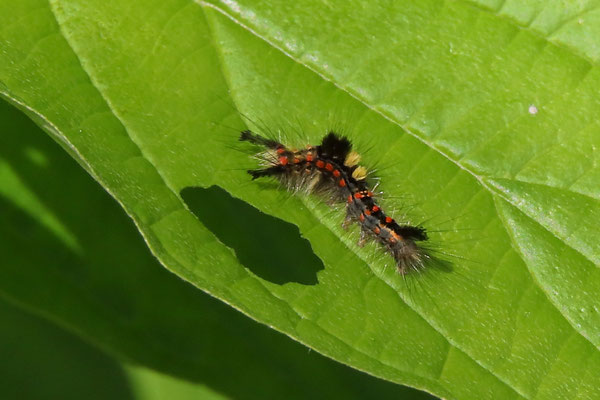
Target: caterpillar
332, 168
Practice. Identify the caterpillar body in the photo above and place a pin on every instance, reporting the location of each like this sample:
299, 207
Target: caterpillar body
332, 168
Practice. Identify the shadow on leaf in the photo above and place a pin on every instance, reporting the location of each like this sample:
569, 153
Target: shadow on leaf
267, 246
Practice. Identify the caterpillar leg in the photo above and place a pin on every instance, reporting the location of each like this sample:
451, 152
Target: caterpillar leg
363, 238
347, 222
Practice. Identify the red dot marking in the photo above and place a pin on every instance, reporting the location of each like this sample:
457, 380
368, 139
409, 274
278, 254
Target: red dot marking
336, 173
296, 160
368, 212
376, 230
320, 164
329, 167
342, 183
280, 150
309, 157
361, 217
349, 199
388, 220
357, 195
283, 160
375, 209
370, 194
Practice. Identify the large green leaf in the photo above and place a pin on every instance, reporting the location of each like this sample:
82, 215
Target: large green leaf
72, 255
483, 115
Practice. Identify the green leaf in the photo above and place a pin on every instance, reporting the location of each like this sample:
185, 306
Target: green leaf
107, 287
482, 113
147, 384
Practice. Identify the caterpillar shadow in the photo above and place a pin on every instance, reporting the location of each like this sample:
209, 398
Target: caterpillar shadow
269, 247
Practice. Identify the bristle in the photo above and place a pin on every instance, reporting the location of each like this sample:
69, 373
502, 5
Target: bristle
409, 256
313, 182
412, 232
271, 171
248, 136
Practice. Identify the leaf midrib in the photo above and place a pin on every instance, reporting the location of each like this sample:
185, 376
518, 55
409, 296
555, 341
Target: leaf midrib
112, 109
150, 242
482, 179
342, 239
479, 178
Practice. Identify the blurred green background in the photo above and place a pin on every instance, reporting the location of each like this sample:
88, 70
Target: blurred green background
87, 312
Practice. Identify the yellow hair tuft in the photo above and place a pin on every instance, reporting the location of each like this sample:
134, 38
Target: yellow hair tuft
352, 159
360, 173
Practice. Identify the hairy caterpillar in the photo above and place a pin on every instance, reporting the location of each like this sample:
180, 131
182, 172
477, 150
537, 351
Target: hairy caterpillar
332, 168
